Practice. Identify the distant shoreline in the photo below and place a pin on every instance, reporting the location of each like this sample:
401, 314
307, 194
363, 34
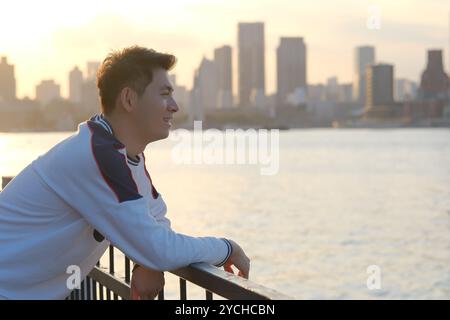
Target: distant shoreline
268, 128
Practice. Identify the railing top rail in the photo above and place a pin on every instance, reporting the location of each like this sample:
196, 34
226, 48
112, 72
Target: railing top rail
225, 284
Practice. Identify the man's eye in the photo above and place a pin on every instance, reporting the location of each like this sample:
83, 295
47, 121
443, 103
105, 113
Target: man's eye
166, 93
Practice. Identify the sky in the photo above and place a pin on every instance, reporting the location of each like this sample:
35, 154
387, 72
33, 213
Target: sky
45, 39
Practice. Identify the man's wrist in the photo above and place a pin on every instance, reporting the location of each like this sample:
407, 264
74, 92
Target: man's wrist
229, 252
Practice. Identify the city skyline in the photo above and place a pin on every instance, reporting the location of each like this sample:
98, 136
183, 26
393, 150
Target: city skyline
52, 47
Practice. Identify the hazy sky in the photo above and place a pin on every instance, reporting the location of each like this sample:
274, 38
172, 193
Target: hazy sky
46, 39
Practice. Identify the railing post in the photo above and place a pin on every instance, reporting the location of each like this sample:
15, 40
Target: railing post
182, 289
82, 290
111, 259
161, 294
127, 269
88, 288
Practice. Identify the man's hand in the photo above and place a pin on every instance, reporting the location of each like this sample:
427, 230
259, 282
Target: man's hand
146, 283
239, 260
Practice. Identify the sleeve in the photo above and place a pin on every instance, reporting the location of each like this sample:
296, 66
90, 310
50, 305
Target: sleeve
162, 218
102, 190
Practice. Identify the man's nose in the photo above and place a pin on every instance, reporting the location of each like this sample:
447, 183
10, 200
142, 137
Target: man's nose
173, 106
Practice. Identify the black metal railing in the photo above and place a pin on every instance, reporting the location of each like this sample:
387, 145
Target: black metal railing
103, 283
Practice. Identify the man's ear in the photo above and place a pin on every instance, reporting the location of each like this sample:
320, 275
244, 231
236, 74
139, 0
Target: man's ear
128, 98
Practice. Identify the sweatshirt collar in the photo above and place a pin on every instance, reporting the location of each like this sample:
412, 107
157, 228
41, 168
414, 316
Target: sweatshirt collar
101, 120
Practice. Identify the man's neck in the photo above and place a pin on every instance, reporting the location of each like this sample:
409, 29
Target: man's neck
126, 135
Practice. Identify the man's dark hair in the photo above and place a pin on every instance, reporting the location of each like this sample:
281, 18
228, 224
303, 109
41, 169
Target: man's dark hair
130, 67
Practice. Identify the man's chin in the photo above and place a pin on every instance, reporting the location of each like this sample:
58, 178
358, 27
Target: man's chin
161, 136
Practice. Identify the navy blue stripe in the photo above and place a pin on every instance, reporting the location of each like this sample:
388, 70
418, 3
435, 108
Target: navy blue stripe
112, 164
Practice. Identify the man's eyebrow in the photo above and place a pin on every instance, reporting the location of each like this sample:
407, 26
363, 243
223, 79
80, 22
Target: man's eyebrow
167, 87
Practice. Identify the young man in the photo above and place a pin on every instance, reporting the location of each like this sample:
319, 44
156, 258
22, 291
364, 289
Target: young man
93, 189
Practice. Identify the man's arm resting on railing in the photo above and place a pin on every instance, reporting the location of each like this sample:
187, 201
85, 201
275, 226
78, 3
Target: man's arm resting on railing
147, 283
236, 257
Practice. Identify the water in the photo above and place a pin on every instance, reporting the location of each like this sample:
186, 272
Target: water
343, 200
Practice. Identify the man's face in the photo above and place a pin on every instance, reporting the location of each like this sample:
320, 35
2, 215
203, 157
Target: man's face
155, 108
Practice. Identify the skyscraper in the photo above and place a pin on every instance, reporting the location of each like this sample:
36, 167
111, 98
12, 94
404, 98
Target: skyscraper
434, 82
92, 68
405, 90
89, 93
205, 85
75, 85
291, 67
380, 86
222, 60
364, 56
180, 94
251, 64
47, 91
433, 92
7, 81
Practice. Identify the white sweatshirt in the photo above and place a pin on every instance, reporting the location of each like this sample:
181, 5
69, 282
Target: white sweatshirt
67, 206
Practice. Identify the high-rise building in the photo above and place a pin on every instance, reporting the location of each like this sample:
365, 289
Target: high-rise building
205, 85
223, 62
251, 64
332, 89
345, 92
433, 93
380, 86
75, 85
434, 82
180, 94
364, 56
7, 81
405, 90
90, 101
47, 91
92, 68
291, 68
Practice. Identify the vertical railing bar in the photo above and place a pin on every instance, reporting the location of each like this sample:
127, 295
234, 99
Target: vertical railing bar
161, 294
127, 269
88, 288
100, 287
111, 259
182, 289
94, 291
82, 290
108, 294
209, 295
